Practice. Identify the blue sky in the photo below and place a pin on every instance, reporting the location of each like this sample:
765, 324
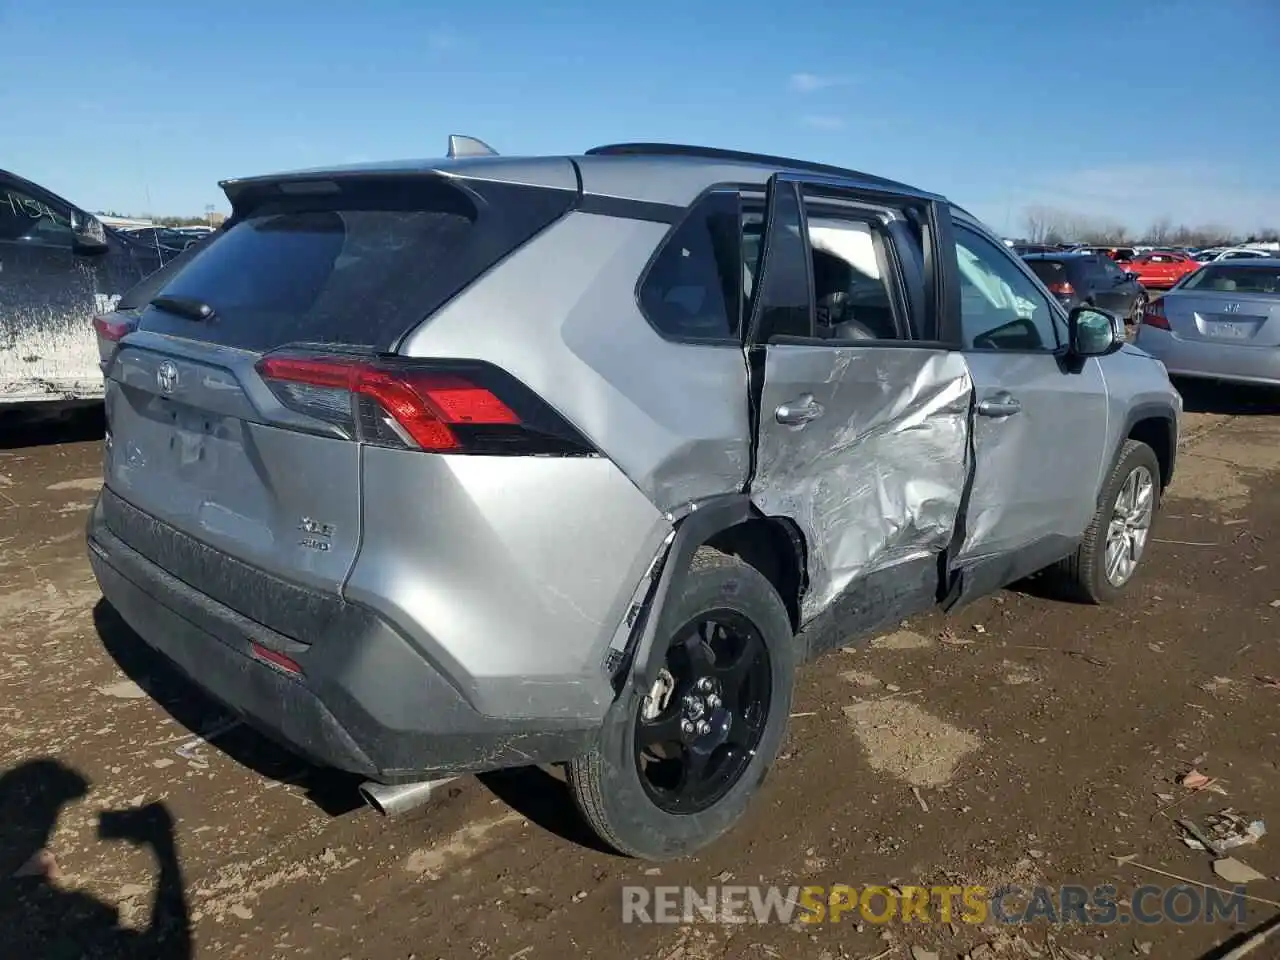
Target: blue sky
1131, 110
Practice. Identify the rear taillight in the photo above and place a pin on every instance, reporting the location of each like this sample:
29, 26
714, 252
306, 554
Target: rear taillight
1062, 289
435, 406
1153, 315
112, 328
276, 659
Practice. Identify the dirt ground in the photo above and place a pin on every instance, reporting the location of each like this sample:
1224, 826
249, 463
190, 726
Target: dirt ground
1021, 741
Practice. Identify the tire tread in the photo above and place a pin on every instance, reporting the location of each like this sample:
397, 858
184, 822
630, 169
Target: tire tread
1079, 573
588, 775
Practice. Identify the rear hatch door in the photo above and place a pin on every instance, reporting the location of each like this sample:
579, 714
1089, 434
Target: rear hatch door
347, 265
1228, 303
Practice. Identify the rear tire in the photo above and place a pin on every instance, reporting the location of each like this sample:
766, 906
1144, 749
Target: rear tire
643, 800
1098, 572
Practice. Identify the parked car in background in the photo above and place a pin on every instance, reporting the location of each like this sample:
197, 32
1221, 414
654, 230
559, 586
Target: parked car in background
59, 266
1088, 279
1161, 269
1023, 249
1241, 253
1222, 323
1118, 254
110, 327
169, 239
613, 583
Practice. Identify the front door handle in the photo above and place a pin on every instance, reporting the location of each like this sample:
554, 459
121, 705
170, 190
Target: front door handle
800, 411
999, 405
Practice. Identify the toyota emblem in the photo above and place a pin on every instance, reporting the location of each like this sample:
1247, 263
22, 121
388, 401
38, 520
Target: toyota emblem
167, 376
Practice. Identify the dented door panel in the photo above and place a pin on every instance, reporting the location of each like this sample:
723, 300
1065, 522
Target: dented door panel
876, 476
1037, 469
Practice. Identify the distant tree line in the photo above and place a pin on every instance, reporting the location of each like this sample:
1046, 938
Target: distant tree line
1051, 225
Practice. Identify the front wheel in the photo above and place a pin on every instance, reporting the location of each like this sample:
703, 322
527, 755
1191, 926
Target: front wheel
675, 766
1116, 541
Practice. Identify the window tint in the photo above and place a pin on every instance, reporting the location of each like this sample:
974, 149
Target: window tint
27, 220
783, 294
693, 289
1000, 308
1049, 271
358, 262
851, 277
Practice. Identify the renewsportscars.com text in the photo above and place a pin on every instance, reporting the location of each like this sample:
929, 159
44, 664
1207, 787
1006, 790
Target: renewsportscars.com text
1100, 905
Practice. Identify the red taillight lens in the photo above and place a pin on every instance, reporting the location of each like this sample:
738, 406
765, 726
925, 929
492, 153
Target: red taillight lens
441, 407
276, 659
111, 328
1062, 289
1153, 315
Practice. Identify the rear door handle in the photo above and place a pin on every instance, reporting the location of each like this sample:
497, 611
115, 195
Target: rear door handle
999, 405
799, 411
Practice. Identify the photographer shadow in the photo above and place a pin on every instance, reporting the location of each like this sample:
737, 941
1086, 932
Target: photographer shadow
43, 919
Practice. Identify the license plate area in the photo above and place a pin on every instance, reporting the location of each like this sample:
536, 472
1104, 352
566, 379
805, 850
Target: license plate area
1234, 328
195, 435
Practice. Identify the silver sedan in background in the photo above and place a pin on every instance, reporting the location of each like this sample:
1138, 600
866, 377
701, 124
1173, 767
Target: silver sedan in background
1220, 323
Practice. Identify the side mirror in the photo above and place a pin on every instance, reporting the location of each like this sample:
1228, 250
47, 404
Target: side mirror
1130, 275
1092, 332
90, 235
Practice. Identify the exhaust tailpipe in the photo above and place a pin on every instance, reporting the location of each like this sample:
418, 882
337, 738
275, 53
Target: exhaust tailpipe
391, 801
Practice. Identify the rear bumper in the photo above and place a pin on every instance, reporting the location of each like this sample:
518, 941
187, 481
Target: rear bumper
1216, 361
368, 702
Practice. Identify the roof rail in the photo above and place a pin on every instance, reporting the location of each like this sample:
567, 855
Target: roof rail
461, 146
735, 156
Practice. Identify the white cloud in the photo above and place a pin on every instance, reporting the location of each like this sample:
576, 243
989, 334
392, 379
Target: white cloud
822, 121
1139, 194
813, 82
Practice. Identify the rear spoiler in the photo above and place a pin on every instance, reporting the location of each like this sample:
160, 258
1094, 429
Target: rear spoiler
459, 147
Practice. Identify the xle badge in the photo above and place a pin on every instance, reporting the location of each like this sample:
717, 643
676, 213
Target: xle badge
317, 534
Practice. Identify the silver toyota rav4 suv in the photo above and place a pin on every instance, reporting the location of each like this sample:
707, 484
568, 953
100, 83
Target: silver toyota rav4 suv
444, 466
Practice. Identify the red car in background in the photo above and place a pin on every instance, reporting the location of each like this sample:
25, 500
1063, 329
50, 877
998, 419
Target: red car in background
1161, 269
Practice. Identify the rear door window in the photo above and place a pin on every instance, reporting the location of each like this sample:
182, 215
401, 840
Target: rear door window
352, 261
854, 275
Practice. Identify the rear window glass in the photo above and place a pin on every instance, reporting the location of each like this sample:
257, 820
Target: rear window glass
141, 293
357, 262
1235, 279
1049, 271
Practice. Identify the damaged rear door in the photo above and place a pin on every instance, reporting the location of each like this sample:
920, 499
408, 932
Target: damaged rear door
863, 405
